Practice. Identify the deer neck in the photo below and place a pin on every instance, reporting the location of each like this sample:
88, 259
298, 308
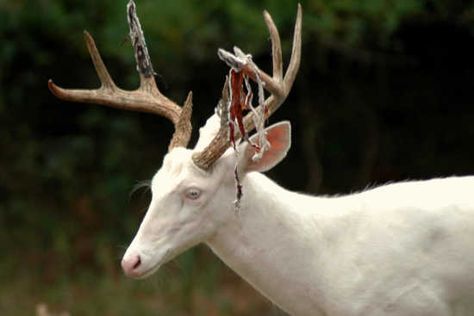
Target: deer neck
271, 240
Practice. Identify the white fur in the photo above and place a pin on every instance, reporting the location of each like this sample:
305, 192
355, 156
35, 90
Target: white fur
399, 249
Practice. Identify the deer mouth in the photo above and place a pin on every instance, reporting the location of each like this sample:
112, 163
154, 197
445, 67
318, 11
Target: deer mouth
155, 267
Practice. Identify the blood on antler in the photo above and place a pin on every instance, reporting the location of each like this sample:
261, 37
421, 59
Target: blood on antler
147, 98
277, 85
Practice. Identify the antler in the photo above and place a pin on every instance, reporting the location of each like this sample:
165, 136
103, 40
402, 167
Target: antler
147, 98
278, 86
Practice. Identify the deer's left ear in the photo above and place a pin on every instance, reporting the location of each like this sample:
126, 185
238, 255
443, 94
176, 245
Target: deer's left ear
279, 137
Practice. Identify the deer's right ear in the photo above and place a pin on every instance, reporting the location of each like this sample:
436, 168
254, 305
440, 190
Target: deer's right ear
279, 137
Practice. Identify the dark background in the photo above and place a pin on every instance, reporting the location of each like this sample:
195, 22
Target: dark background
384, 93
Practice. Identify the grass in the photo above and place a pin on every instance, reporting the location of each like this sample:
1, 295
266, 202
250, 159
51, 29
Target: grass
197, 283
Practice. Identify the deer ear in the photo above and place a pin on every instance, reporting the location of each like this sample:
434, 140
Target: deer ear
279, 137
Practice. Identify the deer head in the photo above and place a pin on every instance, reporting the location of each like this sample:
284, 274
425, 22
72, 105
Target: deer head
193, 191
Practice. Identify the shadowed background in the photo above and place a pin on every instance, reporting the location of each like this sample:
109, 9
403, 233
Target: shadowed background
385, 93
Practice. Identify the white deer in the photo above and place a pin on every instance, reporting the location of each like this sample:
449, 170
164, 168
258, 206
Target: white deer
399, 249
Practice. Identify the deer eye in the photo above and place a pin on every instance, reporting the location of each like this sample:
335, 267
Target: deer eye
193, 193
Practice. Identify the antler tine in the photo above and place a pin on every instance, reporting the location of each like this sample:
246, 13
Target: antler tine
82, 95
278, 86
276, 46
147, 98
110, 95
295, 59
183, 127
101, 70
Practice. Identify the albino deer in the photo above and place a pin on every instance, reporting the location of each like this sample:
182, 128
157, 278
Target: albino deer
399, 249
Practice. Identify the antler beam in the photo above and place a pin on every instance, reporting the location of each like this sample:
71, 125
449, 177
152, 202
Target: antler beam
147, 98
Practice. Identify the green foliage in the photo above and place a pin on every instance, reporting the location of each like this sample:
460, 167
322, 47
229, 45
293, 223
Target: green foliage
360, 23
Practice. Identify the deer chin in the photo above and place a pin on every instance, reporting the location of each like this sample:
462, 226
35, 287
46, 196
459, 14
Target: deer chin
145, 274
140, 264
149, 265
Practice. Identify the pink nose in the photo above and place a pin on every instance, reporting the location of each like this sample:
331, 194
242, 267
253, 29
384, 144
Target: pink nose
130, 265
